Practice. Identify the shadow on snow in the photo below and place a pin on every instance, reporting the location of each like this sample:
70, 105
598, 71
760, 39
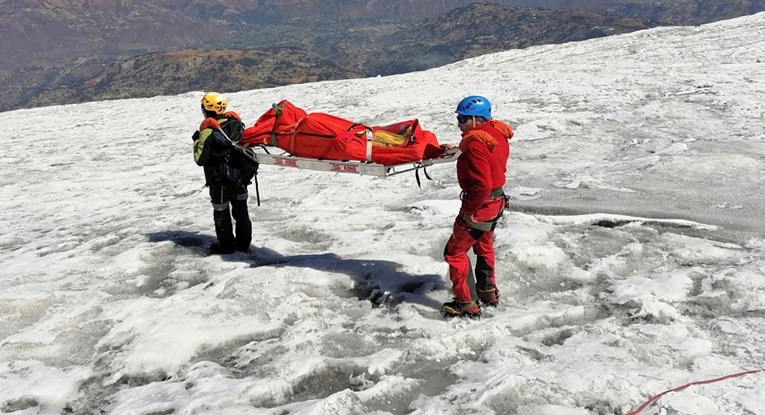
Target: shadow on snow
378, 281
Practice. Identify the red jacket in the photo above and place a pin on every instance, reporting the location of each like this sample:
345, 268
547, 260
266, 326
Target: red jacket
481, 168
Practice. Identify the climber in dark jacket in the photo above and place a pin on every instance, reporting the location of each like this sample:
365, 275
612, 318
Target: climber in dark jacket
228, 172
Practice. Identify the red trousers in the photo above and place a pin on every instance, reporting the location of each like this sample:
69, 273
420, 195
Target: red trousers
456, 255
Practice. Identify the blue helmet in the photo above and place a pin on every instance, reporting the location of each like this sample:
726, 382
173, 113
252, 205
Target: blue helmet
475, 105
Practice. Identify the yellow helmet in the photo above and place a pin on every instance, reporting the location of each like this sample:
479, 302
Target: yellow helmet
214, 102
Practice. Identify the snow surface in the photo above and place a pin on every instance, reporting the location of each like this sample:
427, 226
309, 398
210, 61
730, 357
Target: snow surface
632, 262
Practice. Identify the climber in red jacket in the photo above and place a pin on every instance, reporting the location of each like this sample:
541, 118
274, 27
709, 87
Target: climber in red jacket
481, 172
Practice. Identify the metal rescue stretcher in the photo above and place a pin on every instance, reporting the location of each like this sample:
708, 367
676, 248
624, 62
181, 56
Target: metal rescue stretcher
325, 142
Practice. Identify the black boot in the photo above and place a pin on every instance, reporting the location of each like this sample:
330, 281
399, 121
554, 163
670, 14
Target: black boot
224, 232
217, 249
243, 225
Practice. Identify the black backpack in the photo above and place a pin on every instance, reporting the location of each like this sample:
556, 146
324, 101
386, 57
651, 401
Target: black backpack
240, 166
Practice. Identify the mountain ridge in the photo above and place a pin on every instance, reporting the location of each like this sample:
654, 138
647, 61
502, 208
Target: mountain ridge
74, 48
462, 33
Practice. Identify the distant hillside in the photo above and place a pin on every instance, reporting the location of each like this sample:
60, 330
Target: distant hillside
64, 51
179, 71
484, 28
469, 31
44, 31
689, 12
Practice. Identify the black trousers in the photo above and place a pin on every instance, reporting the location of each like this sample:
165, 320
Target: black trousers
228, 202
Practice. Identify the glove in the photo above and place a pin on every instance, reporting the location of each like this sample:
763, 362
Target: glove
232, 114
209, 122
195, 136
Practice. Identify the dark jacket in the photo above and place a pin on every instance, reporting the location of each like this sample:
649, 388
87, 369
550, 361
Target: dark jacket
224, 164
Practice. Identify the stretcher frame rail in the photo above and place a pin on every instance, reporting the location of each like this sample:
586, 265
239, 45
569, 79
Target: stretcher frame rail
351, 166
